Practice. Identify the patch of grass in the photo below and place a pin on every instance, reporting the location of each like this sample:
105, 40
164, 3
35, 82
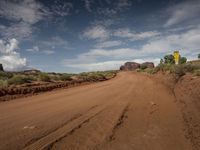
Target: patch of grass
20, 79
197, 72
151, 70
44, 77
65, 77
180, 69
142, 66
3, 83
96, 76
5, 75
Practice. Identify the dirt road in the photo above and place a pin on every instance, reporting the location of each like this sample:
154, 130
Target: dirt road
129, 112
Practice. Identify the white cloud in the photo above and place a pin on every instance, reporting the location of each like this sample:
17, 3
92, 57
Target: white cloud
34, 49
107, 11
54, 42
183, 12
114, 8
88, 4
133, 36
11, 60
108, 65
48, 52
187, 43
122, 4
29, 11
97, 32
99, 66
18, 31
8, 47
49, 46
62, 8
22, 14
107, 44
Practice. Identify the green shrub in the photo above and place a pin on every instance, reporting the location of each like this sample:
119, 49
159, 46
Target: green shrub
151, 70
169, 59
143, 66
179, 70
3, 83
19, 79
96, 76
5, 75
197, 72
168, 67
65, 77
182, 60
44, 77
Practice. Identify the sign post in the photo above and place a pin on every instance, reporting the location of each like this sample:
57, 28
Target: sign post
176, 57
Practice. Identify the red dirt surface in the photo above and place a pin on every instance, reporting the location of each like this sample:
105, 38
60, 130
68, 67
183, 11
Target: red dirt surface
130, 112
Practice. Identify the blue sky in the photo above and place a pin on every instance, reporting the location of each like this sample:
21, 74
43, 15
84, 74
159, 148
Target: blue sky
89, 35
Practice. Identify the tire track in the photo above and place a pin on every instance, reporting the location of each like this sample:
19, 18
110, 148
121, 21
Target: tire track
98, 130
119, 122
47, 141
68, 121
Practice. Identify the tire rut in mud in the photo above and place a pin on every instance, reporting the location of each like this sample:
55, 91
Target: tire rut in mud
75, 123
97, 131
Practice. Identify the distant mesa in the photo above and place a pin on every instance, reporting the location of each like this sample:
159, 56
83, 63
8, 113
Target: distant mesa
147, 65
1, 67
129, 66
32, 71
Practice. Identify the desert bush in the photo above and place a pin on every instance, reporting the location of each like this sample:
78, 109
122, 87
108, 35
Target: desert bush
169, 59
197, 72
44, 77
142, 66
166, 67
179, 70
109, 74
20, 79
151, 70
54, 76
65, 77
182, 60
96, 76
139, 70
5, 75
3, 83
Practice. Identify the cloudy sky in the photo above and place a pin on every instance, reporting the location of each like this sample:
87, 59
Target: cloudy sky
88, 35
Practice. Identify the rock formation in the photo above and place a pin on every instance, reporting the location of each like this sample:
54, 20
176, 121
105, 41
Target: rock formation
148, 65
1, 67
130, 66
133, 66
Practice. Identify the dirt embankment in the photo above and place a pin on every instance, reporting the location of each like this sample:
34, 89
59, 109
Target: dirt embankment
14, 92
187, 92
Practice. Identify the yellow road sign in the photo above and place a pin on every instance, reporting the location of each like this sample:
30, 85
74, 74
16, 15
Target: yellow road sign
176, 56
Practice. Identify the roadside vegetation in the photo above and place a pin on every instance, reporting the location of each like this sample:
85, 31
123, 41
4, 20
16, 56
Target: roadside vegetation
167, 65
22, 78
